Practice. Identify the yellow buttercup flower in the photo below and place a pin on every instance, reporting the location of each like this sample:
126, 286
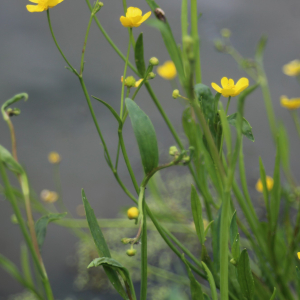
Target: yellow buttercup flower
291, 104
132, 213
42, 5
298, 254
54, 158
49, 196
292, 68
269, 181
167, 70
134, 17
229, 88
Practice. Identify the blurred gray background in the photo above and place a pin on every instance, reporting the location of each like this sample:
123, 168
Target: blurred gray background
56, 116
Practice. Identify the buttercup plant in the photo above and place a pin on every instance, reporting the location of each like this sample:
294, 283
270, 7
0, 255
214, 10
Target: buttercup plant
221, 215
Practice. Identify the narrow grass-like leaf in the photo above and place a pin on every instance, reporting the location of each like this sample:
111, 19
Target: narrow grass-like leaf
197, 214
9, 161
226, 129
274, 294
298, 273
235, 248
216, 240
276, 192
211, 281
196, 290
109, 262
101, 245
207, 228
284, 145
245, 276
233, 228
206, 297
263, 179
139, 55
145, 135
25, 262
41, 226
246, 127
111, 110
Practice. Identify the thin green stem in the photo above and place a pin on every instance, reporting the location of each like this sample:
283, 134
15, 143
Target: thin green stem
228, 103
144, 260
55, 41
124, 77
195, 36
296, 121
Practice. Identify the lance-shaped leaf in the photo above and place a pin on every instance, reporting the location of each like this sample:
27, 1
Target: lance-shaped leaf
145, 135
41, 226
235, 248
246, 127
274, 294
245, 276
116, 266
101, 245
196, 289
139, 55
10, 162
211, 281
216, 240
233, 228
197, 215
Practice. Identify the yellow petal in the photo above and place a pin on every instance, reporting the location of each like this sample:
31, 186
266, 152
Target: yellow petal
35, 8
126, 22
242, 84
298, 254
135, 21
145, 17
216, 87
224, 82
231, 82
133, 12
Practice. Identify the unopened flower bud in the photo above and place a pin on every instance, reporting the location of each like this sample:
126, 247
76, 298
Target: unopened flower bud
225, 32
173, 151
132, 213
125, 241
13, 112
131, 252
233, 261
186, 159
188, 46
130, 81
175, 94
219, 46
97, 7
154, 61
151, 75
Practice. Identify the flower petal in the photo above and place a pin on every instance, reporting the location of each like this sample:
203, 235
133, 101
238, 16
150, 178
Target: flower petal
135, 21
35, 8
231, 82
126, 22
224, 82
145, 17
216, 87
242, 84
133, 12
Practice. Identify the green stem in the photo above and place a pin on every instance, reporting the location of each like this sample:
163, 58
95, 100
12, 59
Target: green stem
195, 36
144, 260
228, 103
85, 41
296, 121
124, 77
59, 49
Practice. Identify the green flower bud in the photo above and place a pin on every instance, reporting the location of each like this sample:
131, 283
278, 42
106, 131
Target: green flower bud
97, 7
173, 151
131, 252
186, 159
130, 81
233, 261
151, 75
175, 94
125, 241
225, 32
154, 61
220, 46
13, 111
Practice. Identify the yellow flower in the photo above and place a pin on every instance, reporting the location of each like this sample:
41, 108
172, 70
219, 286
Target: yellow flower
132, 213
54, 158
134, 17
49, 196
229, 88
42, 5
291, 104
259, 185
298, 254
292, 68
167, 70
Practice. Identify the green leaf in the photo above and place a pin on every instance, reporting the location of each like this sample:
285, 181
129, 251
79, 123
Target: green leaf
274, 294
41, 226
10, 162
211, 281
25, 262
9, 102
206, 297
246, 127
207, 228
111, 110
284, 145
145, 135
115, 266
235, 248
101, 245
226, 129
261, 45
139, 56
245, 276
263, 178
197, 215
233, 228
216, 240
298, 273
196, 290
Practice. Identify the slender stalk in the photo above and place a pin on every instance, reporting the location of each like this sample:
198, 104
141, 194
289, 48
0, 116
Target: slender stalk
195, 36
124, 77
228, 103
296, 121
13, 138
144, 260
